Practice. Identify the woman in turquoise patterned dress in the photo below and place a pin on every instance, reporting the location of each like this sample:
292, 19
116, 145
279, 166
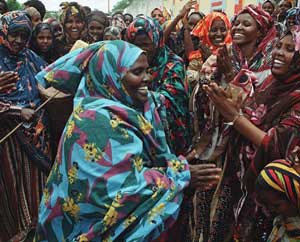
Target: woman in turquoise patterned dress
114, 178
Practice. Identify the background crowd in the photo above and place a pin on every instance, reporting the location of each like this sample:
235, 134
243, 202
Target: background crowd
150, 128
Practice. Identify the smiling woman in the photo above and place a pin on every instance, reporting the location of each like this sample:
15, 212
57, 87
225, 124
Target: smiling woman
73, 20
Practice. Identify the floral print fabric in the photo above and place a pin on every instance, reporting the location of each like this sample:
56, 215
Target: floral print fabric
114, 178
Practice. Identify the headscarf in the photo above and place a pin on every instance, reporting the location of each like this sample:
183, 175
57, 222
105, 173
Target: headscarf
11, 21
99, 17
264, 21
167, 70
71, 9
118, 22
113, 31
51, 55
26, 63
162, 13
293, 12
201, 30
280, 176
116, 165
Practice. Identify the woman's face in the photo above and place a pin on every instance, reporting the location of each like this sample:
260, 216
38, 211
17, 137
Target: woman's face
145, 43
36, 19
277, 204
95, 29
158, 15
193, 20
44, 40
268, 7
57, 29
127, 19
282, 56
74, 27
217, 32
17, 40
245, 30
136, 83
283, 7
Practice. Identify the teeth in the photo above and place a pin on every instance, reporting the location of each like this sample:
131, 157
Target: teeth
143, 88
278, 62
237, 34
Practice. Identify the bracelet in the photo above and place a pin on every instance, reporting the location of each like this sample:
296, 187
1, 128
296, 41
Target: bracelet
235, 119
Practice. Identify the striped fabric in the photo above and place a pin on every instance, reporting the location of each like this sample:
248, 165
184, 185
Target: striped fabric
281, 176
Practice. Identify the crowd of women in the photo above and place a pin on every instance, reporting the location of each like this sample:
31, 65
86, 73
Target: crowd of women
150, 128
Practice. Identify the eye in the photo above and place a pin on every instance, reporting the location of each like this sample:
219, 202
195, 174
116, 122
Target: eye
138, 71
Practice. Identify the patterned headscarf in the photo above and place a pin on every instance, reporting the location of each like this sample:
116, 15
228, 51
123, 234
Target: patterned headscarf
264, 21
282, 177
11, 21
119, 23
99, 17
114, 158
201, 30
162, 13
293, 12
149, 26
71, 9
88, 66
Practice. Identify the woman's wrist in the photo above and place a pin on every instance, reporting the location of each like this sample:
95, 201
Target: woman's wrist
234, 119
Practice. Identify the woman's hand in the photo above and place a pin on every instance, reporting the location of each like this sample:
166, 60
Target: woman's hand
228, 108
224, 65
27, 114
204, 176
8, 80
186, 8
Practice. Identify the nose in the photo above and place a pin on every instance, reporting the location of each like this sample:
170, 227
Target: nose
147, 78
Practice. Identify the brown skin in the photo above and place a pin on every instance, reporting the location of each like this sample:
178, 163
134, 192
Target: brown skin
245, 34
17, 40
277, 203
8, 81
44, 40
229, 109
193, 19
95, 29
268, 7
282, 56
283, 6
74, 27
145, 43
158, 15
224, 63
217, 32
135, 79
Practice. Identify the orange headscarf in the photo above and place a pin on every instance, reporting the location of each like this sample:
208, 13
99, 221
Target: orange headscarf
201, 30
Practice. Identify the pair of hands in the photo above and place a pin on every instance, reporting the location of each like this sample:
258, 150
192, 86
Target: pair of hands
226, 106
8, 81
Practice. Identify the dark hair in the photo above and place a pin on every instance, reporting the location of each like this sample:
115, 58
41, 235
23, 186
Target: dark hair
128, 14
5, 5
38, 5
51, 54
87, 10
118, 12
200, 14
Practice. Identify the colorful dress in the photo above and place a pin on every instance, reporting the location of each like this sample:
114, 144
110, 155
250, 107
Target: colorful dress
114, 178
214, 213
169, 79
26, 155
